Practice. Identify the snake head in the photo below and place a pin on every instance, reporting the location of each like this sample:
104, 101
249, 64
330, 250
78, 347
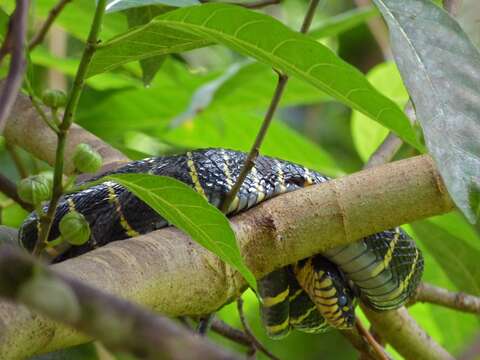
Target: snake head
328, 289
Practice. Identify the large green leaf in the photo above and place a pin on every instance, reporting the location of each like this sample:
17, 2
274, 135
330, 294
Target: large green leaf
345, 21
117, 5
181, 206
457, 258
433, 318
237, 131
368, 135
280, 47
441, 69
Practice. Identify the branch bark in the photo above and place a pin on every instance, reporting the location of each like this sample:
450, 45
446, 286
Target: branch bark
453, 300
107, 318
166, 271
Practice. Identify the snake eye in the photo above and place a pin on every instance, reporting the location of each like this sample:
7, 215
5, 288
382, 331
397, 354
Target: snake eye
342, 301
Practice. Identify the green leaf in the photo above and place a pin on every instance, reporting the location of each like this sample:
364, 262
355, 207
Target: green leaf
117, 5
338, 24
237, 131
441, 69
68, 66
434, 319
181, 206
280, 47
141, 16
367, 134
76, 18
457, 258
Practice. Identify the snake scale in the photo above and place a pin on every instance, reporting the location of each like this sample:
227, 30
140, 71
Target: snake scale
312, 295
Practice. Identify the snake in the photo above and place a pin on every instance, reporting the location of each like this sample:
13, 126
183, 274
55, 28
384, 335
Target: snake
312, 295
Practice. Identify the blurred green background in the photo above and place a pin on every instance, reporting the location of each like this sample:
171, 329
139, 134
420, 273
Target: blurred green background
213, 97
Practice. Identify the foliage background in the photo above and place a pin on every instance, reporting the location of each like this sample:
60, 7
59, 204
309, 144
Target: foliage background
311, 129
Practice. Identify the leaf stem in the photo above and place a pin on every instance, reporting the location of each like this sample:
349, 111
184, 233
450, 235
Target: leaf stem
277, 95
72, 103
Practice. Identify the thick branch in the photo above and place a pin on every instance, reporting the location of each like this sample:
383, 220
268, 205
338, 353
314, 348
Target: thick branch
105, 317
273, 234
403, 333
166, 271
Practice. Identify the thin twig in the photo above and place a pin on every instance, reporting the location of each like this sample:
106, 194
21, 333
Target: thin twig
19, 165
231, 333
90, 47
52, 15
377, 348
440, 296
8, 188
16, 42
392, 143
254, 151
360, 344
257, 344
251, 5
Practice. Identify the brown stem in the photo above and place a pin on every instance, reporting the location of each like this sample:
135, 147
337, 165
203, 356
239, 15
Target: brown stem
117, 323
52, 15
16, 42
377, 348
277, 95
400, 330
454, 300
253, 339
231, 333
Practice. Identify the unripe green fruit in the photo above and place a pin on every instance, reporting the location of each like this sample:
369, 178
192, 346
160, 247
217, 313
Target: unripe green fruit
54, 98
74, 228
86, 159
35, 189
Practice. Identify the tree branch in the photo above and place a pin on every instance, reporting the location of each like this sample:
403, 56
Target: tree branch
273, 234
440, 296
14, 43
400, 330
52, 15
107, 318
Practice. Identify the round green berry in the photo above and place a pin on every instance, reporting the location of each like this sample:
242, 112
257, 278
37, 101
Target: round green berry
54, 98
35, 189
86, 159
74, 228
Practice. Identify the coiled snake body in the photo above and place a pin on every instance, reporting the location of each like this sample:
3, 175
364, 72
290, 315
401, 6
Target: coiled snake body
312, 295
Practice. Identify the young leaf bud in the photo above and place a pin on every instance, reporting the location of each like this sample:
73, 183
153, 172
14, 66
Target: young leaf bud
74, 228
35, 189
54, 98
86, 159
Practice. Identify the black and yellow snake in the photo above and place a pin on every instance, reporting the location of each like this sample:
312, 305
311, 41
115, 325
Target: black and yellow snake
312, 295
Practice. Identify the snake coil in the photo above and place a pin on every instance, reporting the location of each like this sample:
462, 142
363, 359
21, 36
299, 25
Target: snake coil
314, 294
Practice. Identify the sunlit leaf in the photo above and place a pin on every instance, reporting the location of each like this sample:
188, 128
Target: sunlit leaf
456, 257
441, 69
367, 134
237, 131
117, 5
181, 206
278, 46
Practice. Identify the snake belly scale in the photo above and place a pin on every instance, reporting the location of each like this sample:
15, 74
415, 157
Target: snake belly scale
312, 295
